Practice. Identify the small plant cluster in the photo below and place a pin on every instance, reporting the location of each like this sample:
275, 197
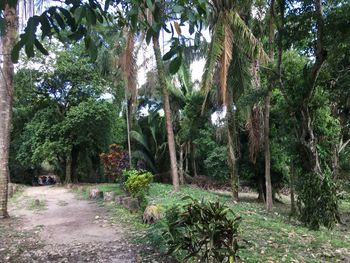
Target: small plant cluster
207, 231
137, 182
115, 161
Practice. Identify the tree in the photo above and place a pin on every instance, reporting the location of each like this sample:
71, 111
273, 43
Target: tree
230, 33
69, 124
269, 201
317, 199
9, 13
81, 16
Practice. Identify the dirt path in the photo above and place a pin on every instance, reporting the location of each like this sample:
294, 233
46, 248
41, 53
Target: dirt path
55, 226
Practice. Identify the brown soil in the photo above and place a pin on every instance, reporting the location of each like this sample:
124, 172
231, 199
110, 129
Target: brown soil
49, 224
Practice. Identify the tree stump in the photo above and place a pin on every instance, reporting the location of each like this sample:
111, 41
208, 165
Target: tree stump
108, 196
95, 194
132, 204
152, 214
119, 199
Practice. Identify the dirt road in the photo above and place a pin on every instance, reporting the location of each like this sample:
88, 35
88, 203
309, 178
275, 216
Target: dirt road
49, 224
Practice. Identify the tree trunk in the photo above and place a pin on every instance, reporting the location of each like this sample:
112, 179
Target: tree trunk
335, 161
193, 159
68, 179
186, 158
128, 126
167, 111
6, 97
231, 132
181, 164
307, 143
292, 180
269, 202
269, 199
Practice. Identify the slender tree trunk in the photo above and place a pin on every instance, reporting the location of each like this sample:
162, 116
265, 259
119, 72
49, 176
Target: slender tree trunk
269, 198
335, 161
193, 159
167, 111
128, 126
186, 158
68, 179
6, 97
291, 186
231, 132
181, 164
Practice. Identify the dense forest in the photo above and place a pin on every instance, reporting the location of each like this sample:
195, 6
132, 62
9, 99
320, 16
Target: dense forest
91, 88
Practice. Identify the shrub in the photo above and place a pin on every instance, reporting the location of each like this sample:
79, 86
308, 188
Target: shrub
115, 161
207, 231
318, 201
137, 182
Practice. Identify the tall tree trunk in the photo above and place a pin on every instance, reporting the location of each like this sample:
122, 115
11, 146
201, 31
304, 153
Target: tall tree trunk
232, 159
307, 141
269, 202
167, 111
6, 97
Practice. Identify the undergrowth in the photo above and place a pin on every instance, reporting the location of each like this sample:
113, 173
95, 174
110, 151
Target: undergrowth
264, 237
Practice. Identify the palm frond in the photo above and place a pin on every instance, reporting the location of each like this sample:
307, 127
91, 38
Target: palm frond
225, 62
239, 76
148, 160
245, 39
214, 54
140, 139
128, 64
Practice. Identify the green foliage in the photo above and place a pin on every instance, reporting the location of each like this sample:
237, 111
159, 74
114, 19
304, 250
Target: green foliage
58, 111
318, 201
216, 162
138, 182
203, 230
213, 156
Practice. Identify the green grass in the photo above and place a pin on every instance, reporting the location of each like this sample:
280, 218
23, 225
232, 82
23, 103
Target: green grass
35, 204
264, 237
110, 188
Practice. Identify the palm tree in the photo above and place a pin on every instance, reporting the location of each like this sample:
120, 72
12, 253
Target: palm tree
128, 65
269, 201
167, 111
9, 13
229, 33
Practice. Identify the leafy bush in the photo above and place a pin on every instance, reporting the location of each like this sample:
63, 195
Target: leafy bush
115, 161
137, 182
207, 231
318, 201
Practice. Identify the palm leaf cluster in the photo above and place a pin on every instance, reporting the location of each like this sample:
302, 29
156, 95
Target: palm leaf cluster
231, 39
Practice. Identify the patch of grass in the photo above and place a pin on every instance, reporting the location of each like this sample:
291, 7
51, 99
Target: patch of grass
17, 195
264, 237
36, 204
110, 188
